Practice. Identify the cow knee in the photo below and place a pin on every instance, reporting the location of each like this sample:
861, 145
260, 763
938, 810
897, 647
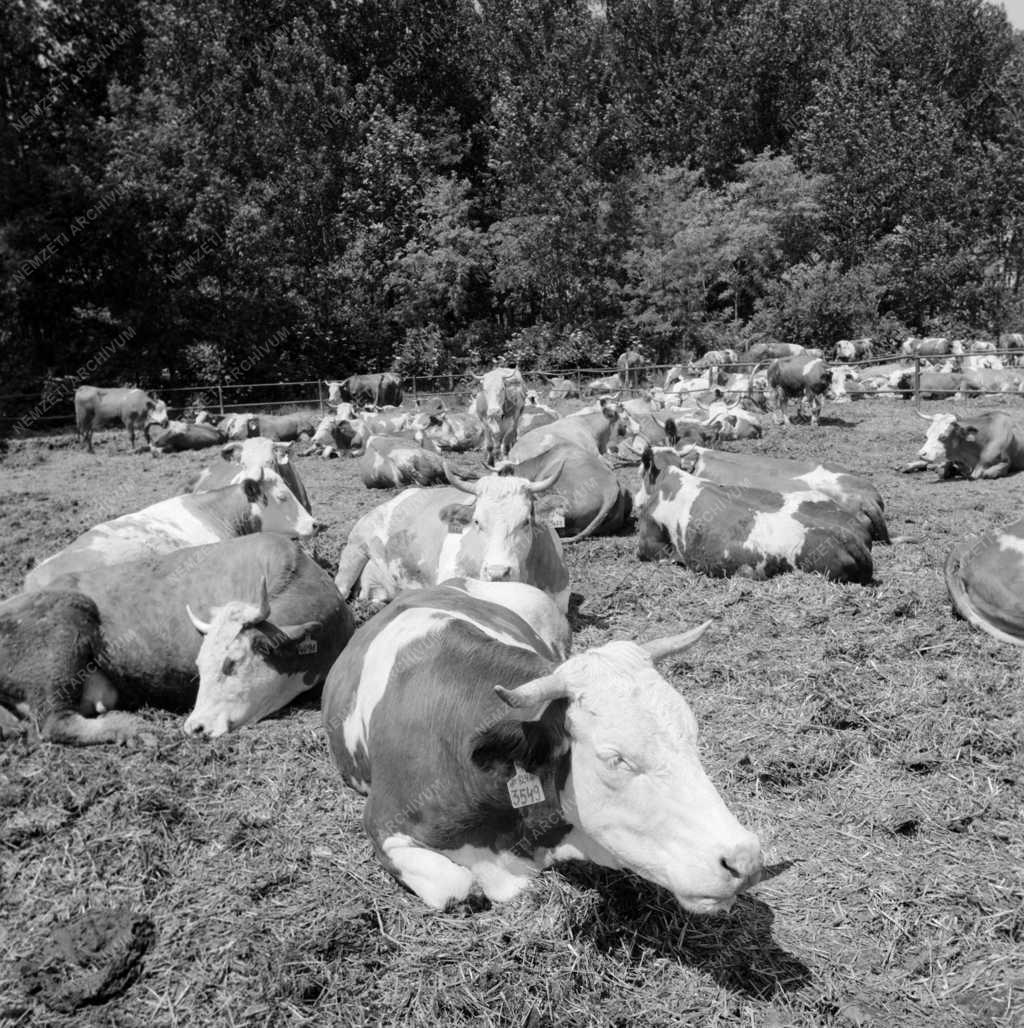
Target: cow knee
435, 878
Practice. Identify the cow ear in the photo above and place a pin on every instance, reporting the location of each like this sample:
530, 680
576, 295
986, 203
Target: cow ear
457, 513
548, 503
671, 432
970, 433
252, 489
530, 744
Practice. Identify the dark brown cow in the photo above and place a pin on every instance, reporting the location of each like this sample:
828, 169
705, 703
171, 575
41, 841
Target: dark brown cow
632, 369
383, 390
799, 376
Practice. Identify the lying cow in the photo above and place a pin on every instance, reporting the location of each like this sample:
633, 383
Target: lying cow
935, 385
258, 503
108, 640
132, 408
855, 349
731, 422
854, 494
589, 499
487, 529
498, 405
485, 759
760, 352
457, 432
243, 460
985, 579
384, 389
180, 436
395, 461
590, 429
986, 445
284, 428
801, 376
756, 533
931, 346
235, 427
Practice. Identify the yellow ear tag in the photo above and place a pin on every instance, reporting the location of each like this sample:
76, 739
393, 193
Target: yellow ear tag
524, 789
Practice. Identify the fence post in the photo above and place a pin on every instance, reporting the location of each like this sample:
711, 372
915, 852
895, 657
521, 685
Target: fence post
579, 382
220, 399
917, 380
320, 395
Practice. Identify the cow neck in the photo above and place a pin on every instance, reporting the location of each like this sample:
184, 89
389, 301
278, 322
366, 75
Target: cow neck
226, 511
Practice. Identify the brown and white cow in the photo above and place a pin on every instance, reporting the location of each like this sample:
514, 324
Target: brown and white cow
760, 352
632, 369
499, 403
803, 377
261, 503
932, 346
133, 408
590, 429
986, 445
985, 579
487, 758
243, 460
99, 643
396, 461
855, 349
740, 530
488, 529
180, 436
284, 428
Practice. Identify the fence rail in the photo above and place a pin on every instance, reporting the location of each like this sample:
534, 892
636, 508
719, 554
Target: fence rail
227, 398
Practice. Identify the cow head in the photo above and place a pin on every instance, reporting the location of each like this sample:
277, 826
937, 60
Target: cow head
501, 522
636, 789
273, 506
936, 441
156, 413
333, 390
248, 666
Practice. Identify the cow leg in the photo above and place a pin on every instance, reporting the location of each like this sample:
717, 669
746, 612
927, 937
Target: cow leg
815, 402
992, 471
437, 880
69, 726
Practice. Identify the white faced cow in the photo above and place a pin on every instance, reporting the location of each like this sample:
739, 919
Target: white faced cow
99, 643
985, 445
499, 404
486, 758
486, 529
257, 504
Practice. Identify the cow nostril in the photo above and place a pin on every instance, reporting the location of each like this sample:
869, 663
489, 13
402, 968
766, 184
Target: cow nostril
728, 867
194, 729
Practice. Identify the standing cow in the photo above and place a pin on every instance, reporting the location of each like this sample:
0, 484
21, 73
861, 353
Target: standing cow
132, 408
808, 378
632, 369
499, 405
854, 349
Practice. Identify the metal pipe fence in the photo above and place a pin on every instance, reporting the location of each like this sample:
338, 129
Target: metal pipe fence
452, 388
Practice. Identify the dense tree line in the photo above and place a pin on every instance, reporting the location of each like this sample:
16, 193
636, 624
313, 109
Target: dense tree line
440, 182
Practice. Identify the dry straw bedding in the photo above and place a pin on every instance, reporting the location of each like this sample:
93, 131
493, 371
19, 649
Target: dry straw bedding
873, 741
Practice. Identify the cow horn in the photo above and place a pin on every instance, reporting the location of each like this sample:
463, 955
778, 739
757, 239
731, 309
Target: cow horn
926, 417
534, 693
546, 483
201, 626
263, 613
696, 400
464, 484
658, 649
229, 450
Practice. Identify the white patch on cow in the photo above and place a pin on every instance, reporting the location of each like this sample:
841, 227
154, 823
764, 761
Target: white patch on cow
536, 608
1011, 543
821, 480
681, 505
501, 876
779, 533
437, 880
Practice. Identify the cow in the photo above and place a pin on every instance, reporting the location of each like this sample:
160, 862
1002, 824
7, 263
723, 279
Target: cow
761, 352
980, 362
799, 376
589, 429
985, 445
855, 349
235, 427
604, 386
284, 428
485, 758
845, 382
488, 529
851, 492
985, 580
562, 389
932, 346
499, 404
258, 503
534, 417
724, 360
981, 346
382, 390
589, 498
731, 421
632, 369
243, 460
132, 408
757, 533
395, 461
457, 432
332, 437
1013, 344
105, 641
180, 436
935, 385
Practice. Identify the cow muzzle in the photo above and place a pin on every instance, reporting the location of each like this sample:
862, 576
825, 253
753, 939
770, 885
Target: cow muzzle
496, 573
206, 728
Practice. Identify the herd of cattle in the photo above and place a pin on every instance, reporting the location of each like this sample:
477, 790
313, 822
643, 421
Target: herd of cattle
486, 749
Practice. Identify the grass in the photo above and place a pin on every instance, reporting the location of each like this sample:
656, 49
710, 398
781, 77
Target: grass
874, 742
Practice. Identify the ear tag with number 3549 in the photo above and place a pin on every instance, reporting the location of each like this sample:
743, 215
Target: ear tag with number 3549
524, 789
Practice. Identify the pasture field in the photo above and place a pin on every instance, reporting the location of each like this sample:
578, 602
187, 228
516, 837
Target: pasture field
872, 740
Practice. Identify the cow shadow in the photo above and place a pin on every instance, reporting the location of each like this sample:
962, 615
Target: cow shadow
579, 619
637, 920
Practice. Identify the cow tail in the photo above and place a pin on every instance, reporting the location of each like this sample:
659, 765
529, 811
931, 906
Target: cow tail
962, 603
613, 496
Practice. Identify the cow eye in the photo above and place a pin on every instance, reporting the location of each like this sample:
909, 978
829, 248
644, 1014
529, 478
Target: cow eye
228, 667
615, 761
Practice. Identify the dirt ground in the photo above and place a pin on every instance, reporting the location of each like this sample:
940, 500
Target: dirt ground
872, 740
